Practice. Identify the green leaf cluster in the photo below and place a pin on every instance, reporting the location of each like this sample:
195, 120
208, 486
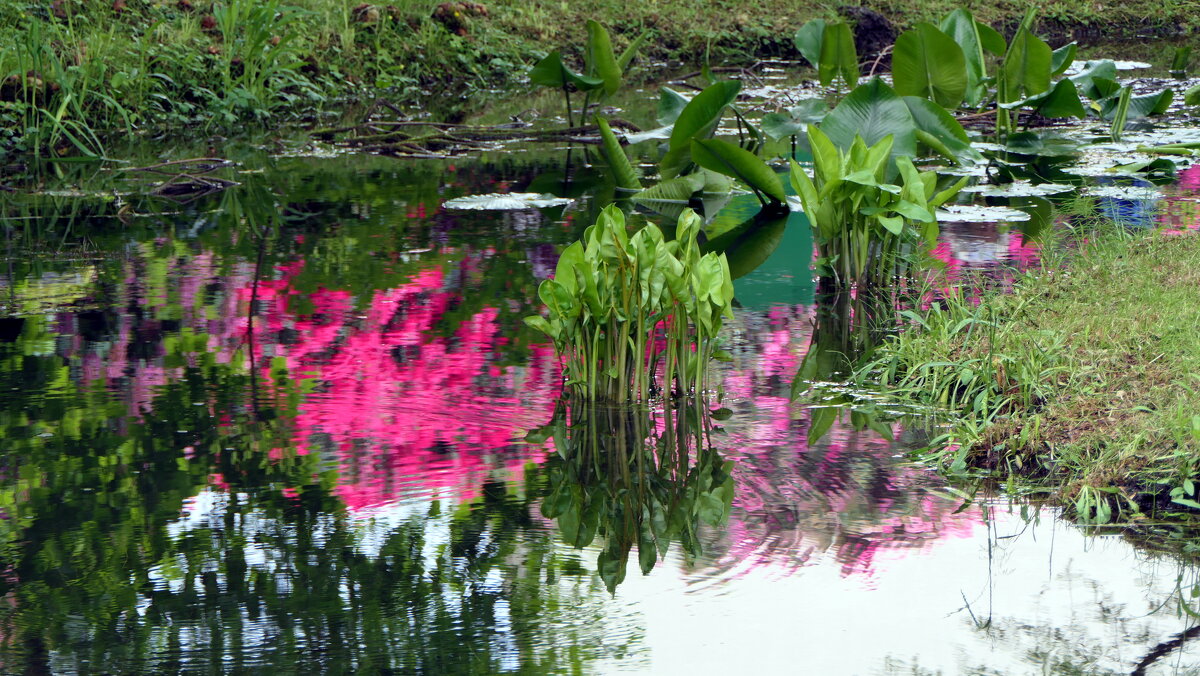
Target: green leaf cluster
865, 227
616, 296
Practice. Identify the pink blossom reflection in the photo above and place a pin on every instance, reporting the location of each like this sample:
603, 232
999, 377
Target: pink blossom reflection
846, 496
1180, 211
403, 409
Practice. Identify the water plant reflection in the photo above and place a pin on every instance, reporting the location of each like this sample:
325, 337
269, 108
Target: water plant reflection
634, 477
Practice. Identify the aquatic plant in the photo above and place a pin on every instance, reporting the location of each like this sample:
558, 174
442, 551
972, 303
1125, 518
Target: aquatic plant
621, 305
603, 69
865, 227
829, 47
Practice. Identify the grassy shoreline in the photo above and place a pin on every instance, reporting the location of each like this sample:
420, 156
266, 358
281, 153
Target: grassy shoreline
1084, 381
74, 73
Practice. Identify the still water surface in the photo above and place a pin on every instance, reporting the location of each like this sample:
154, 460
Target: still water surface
283, 429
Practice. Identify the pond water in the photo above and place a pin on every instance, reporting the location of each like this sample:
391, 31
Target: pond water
299, 426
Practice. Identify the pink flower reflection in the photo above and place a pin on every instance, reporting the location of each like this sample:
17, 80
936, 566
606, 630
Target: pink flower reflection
846, 496
402, 408
1180, 214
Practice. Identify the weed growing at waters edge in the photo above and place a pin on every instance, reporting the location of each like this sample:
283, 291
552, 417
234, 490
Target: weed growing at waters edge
1083, 376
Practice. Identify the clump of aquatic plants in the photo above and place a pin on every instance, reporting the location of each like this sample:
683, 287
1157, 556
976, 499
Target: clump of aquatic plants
621, 306
866, 228
964, 62
634, 478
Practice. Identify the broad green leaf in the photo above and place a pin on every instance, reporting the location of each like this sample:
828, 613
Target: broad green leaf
941, 125
893, 224
872, 111
1141, 106
570, 257
946, 195
1104, 69
820, 421
1026, 67
698, 119
927, 62
827, 158
1062, 100
622, 170
598, 55
1062, 58
1104, 90
964, 30
726, 158
551, 72
913, 211
803, 186
794, 121
670, 104
808, 40
991, 39
838, 56
1191, 97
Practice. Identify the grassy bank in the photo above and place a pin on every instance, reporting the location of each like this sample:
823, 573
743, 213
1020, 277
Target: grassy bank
75, 73
1085, 380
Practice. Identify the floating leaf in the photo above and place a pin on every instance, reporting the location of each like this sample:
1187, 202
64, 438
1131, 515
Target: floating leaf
506, 201
974, 213
1019, 189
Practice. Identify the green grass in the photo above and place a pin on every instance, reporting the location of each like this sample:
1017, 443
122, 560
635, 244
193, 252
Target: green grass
76, 72
1086, 379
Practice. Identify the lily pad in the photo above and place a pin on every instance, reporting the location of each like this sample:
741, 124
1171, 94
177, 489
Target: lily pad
1019, 189
1124, 192
506, 201
976, 213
